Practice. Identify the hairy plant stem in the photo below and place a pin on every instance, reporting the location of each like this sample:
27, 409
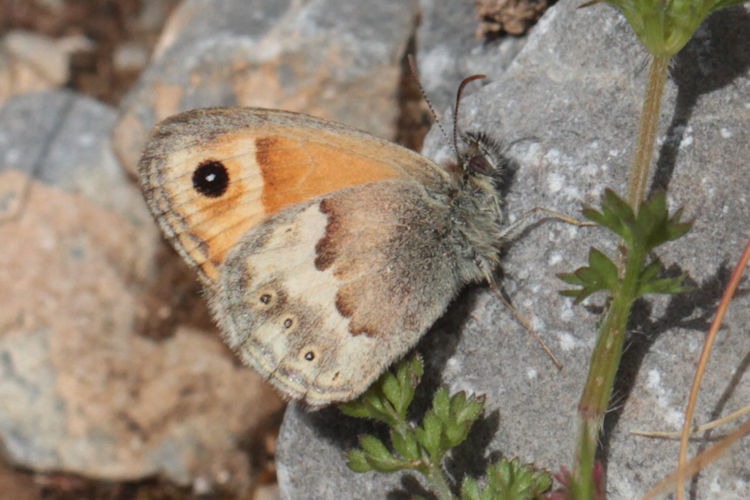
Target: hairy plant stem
438, 481
644, 151
605, 359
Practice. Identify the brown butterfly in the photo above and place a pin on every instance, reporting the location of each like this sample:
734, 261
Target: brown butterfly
327, 252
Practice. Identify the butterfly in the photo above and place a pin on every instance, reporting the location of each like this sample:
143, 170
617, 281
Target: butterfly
326, 252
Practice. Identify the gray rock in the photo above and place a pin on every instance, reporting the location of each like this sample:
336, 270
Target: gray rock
569, 106
82, 389
299, 56
62, 140
448, 50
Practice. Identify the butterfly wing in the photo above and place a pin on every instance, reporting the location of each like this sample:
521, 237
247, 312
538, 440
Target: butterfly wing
326, 294
210, 175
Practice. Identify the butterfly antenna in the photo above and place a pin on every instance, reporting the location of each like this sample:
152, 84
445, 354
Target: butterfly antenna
459, 92
522, 321
413, 67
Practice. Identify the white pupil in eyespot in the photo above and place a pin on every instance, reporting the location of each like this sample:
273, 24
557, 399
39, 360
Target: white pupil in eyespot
210, 177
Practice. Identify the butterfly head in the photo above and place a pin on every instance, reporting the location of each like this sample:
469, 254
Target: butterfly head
482, 173
483, 161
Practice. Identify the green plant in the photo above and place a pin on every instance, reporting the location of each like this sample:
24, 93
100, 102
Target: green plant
664, 27
422, 448
641, 233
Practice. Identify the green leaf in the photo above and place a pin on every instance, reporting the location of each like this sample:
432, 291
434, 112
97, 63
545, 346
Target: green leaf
473, 407
650, 272
377, 406
393, 390
603, 269
374, 447
413, 370
458, 404
650, 228
470, 489
647, 282
388, 399
464, 412
441, 405
373, 400
357, 461
652, 222
455, 433
676, 229
356, 409
456, 414
664, 27
406, 444
408, 375
642, 233
378, 456
616, 215
430, 435
392, 464
666, 286
600, 274
444, 426
511, 480
571, 279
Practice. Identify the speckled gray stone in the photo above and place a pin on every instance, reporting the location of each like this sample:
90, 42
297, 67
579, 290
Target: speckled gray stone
448, 50
569, 106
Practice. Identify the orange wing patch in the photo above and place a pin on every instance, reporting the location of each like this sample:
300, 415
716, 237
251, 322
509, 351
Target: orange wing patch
212, 175
295, 171
213, 195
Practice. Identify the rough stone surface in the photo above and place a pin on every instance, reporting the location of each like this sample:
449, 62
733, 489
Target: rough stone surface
299, 56
568, 105
448, 51
82, 390
61, 139
31, 62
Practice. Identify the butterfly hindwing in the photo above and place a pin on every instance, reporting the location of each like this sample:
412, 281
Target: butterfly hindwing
326, 294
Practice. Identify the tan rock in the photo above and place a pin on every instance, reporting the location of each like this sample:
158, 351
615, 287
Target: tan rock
84, 392
291, 55
31, 62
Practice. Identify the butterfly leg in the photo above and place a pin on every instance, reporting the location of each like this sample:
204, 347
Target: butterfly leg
522, 223
525, 323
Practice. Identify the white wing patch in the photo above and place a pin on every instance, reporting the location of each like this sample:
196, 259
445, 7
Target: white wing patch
278, 311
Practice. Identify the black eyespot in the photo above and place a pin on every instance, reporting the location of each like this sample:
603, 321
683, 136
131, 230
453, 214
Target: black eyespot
309, 355
211, 179
288, 322
265, 298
